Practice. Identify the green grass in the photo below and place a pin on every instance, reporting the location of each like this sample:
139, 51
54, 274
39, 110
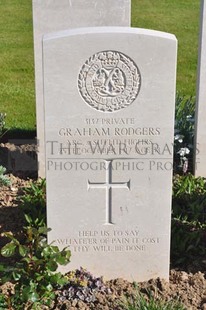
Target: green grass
180, 17
148, 302
17, 96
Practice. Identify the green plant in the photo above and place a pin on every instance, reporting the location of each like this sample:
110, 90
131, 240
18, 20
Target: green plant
187, 243
148, 302
34, 273
33, 203
184, 116
184, 134
188, 219
3, 303
189, 198
4, 180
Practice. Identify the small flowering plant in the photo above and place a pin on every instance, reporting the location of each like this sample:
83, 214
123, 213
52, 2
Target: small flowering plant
183, 152
82, 285
184, 134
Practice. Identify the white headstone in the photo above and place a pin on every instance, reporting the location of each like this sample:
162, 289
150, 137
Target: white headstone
55, 15
109, 119
200, 114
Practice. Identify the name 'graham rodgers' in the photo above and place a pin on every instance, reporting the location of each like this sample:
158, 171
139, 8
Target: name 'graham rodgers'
125, 131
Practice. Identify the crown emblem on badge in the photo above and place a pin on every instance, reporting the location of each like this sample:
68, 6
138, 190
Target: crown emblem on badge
109, 60
109, 81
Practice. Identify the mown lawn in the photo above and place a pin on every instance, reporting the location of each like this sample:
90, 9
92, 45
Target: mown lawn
17, 96
17, 64
180, 17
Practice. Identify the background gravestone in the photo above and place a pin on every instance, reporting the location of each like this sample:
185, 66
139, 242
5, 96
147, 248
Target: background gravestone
56, 15
200, 129
109, 148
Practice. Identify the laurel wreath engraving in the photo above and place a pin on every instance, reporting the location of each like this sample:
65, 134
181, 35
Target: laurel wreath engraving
109, 81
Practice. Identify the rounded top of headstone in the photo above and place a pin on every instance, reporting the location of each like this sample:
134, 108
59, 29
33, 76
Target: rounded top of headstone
109, 81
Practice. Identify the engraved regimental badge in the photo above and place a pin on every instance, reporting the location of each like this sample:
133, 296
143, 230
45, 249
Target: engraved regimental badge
109, 81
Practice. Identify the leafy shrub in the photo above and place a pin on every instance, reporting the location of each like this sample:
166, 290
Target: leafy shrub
34, 273
3, 303
189, 196
189, 193
33, 203
188, 219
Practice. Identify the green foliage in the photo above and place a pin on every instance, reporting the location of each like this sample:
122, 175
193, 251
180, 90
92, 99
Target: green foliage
189, 198
33, 203
184, 117
4, 180
188, 219
34, 273
142, 302
3, 302
184, 134
185, 187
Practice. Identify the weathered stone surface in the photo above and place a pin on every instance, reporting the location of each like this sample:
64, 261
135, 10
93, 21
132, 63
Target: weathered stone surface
57, 15
109, 119
200, 128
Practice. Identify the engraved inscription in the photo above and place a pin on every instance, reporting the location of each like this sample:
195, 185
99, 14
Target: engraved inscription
110, 241
109, 81
108, 185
